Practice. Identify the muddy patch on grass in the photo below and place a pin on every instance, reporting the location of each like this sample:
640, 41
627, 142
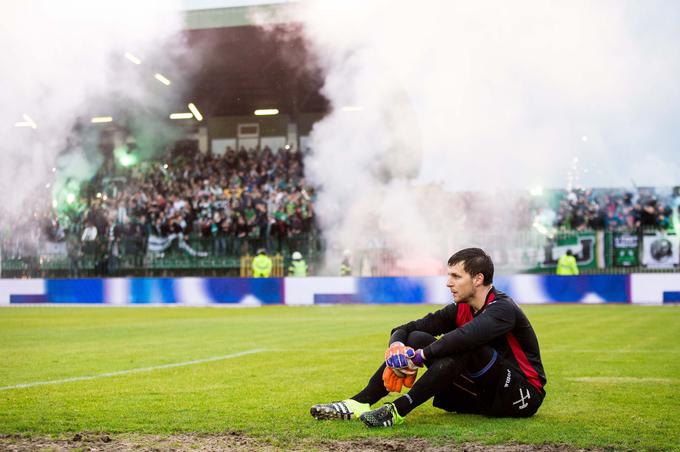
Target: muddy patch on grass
236, 441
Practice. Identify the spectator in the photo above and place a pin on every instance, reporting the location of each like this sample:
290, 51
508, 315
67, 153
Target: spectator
74, 251
89, 238
136, 239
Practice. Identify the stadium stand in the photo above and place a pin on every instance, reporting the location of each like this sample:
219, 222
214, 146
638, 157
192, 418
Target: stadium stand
204, 214
183, 215
614, 210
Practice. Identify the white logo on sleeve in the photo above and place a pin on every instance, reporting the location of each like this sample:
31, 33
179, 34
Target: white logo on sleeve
507, 380
523, 399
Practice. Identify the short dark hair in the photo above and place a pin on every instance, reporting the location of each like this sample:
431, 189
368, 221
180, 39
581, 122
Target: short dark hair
475, 261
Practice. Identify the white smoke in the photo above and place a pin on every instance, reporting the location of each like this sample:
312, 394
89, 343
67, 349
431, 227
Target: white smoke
63, 63
488, 96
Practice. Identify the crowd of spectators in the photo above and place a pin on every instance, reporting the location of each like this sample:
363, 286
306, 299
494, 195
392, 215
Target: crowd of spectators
236, 203
613, 210
217, 205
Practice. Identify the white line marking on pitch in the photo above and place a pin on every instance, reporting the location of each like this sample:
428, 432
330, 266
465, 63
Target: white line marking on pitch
132, 371
605, 351
618, 380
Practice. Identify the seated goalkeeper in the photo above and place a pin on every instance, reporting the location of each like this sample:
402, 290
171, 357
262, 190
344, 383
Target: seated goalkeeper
481, 355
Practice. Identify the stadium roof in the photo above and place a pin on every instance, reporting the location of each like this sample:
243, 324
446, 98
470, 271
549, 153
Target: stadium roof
226, 13
242, 68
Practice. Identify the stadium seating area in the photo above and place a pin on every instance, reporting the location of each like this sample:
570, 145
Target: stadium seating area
220, 207
201, 212
614, 210
236, 202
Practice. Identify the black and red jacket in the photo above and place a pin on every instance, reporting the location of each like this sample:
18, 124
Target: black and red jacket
500, 323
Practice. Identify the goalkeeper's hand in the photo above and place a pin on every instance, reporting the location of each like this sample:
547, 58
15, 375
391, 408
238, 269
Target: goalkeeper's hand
416, 358
396, 355
393, 382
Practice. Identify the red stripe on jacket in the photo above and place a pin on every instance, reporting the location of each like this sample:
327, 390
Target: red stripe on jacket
464, 313
523, 361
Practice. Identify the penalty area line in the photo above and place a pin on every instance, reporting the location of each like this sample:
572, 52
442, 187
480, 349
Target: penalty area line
132, 371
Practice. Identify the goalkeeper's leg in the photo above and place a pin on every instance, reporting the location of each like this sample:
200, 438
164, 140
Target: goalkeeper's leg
440, 378
482, 364
439, 374
375, 389
355, 406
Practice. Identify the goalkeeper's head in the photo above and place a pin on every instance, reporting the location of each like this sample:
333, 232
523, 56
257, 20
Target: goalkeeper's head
470, 274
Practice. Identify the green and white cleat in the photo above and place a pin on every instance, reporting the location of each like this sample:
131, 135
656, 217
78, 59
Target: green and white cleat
344, 410
385, 416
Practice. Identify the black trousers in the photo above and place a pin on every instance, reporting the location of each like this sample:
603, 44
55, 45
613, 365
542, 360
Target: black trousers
478, 382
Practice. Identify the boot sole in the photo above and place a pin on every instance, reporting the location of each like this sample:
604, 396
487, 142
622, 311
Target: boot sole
327, 413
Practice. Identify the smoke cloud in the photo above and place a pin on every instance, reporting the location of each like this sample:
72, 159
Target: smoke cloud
64, 62
433, 99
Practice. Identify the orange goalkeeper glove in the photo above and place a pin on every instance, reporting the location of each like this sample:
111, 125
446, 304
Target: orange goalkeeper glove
393, 382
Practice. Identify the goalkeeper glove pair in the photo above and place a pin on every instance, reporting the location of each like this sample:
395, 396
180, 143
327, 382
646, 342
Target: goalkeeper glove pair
404, 359
402, 366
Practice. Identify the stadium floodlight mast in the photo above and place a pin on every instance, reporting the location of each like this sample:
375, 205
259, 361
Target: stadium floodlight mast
266, 112
161, 78
197, 114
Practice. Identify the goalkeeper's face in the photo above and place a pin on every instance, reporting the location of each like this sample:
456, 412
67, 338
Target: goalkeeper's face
460, 283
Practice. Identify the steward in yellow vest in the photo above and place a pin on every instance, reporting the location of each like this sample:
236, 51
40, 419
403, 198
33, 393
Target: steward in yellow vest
298, 266
262, 265
566, 265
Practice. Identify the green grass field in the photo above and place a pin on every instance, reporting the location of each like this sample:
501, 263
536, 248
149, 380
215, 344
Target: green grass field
613, 374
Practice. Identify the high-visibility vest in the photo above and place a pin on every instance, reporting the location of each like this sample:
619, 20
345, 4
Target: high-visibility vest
298, 268
262, 266
566, 265
345, 269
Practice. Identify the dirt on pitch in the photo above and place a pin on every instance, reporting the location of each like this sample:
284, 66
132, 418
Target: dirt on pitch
236, 441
